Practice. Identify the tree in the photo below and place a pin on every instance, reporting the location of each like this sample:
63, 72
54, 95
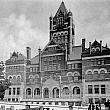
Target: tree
4, 83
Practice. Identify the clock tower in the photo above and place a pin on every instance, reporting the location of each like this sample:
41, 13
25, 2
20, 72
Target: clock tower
62, 28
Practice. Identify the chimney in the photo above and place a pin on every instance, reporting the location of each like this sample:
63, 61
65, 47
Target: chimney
39, 50
101, 45
83, 44
28, 49
90, 46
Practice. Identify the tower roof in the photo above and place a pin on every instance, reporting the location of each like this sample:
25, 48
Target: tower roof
61, 9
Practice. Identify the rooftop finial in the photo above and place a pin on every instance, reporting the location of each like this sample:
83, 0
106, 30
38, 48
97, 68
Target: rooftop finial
106, 45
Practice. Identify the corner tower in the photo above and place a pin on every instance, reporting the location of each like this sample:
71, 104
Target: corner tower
62, 28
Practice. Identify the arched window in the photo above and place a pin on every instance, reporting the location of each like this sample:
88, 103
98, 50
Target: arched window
10, 78
89, 72
14, 78
95, 72
28, 91
103, 70
69, 74
76, 90
37, 91
66, 91
18, 78
36, 76
55, 93
46, 93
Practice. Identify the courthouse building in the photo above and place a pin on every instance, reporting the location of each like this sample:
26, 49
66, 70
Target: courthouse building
62, 73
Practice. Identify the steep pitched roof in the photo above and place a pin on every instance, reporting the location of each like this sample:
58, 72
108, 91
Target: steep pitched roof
61, 9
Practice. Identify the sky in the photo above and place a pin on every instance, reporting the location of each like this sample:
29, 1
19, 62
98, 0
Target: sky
26, 23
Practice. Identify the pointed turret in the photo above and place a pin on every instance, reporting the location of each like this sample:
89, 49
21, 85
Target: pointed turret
61, 10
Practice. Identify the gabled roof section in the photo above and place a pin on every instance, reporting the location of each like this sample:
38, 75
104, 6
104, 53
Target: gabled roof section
62, 9
95, 43
35, 60
104, 50
52, 43
14, 54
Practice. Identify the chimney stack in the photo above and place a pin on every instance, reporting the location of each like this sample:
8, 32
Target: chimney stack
90, 46
101, 45
28, 49
83, 44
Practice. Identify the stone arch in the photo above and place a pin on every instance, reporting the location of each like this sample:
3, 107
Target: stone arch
76, 73
36, 76
69, 74
76, 90
89, 71
95, 71
55, 92
102, 70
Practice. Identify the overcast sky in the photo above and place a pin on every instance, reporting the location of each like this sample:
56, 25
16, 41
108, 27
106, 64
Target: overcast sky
26, 23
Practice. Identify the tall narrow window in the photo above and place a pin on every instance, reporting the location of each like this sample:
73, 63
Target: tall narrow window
37, 91
14, 89
103, 91
96, 89
46, 93
18, 91
76, 90
66, 91
90, 89
28, 91
9, 91
55, 93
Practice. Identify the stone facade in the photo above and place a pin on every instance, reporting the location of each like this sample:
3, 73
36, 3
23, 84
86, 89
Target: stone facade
61, 73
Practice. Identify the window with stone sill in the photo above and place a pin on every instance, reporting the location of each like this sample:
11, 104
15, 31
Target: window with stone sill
96, 89
18, 91
9, 91
90, 89
90, 100
103, 89
14, 89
